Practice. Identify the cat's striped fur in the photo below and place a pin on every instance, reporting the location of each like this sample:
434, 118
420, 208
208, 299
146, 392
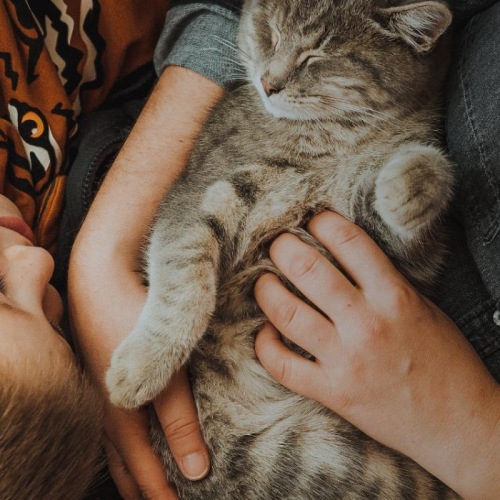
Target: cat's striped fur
342, 114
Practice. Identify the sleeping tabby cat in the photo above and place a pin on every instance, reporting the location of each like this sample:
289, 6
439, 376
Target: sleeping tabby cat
341, 113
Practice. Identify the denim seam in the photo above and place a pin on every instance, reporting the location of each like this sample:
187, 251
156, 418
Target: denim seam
493, 222
484, 344
93, 167
476, 311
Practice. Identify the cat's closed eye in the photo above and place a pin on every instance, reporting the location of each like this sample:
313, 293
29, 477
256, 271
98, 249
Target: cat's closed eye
275, 38
308, 57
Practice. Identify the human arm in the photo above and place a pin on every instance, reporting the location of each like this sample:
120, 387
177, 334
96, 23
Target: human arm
105, 289
197, 36
387, 359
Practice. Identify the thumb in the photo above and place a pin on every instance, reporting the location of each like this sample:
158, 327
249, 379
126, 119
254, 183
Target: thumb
177, 414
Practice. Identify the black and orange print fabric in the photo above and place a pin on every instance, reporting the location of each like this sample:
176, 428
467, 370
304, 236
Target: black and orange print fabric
58, 60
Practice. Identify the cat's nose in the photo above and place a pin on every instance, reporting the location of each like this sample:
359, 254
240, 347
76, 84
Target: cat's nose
270, 88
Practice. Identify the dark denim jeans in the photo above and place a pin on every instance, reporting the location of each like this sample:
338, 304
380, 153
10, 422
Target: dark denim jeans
470, 293
100, 136
465, 9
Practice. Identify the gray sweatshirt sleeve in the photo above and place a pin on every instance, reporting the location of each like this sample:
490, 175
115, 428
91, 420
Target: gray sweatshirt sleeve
201, 36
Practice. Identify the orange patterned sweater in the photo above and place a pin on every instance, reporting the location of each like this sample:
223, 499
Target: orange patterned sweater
58, 60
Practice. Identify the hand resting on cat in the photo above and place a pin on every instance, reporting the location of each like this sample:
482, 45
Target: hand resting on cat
387, 359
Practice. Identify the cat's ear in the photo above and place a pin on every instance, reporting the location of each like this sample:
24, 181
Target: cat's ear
420, 24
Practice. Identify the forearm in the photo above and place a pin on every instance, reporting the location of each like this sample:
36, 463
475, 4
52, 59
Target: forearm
108, 246
152, 157
463, 448
488, 471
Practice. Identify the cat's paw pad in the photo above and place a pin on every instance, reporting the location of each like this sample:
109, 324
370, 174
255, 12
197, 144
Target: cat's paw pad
412, 190
134, 377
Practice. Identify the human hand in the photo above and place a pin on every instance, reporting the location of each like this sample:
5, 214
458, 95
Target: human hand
134, 467
105, 301
386, 358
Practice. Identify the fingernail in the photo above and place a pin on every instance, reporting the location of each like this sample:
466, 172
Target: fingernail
195, 466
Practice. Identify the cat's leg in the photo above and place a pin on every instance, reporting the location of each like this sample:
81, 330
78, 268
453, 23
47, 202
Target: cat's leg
183, 274
413, 189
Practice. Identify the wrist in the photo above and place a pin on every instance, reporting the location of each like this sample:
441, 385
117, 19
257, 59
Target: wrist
479, 476
463, 449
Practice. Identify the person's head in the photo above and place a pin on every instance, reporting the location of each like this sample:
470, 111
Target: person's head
49, 413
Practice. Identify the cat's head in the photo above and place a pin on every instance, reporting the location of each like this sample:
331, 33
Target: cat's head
317, 59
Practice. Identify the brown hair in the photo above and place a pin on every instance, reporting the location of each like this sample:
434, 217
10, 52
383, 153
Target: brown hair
50, 431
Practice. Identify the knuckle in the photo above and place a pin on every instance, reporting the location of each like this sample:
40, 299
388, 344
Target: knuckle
343, 401
285, 373
373, 328
400, 297
344, 235
285, 314
305, 264
342, 388
373, 336
181, 429
353, 368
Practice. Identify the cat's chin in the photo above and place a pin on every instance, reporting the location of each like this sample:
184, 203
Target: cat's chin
283, 111
287, 113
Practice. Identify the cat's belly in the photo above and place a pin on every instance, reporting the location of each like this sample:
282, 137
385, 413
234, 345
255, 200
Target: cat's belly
268, 443
265, 442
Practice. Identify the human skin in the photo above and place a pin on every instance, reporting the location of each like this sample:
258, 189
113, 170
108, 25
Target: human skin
105, 290
386, 358
30, 308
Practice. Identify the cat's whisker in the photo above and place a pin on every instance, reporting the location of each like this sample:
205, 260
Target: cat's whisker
349, 106
235, 48
224, 56
343, 109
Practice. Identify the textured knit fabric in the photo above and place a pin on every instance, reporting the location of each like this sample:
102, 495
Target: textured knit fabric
201, 36
60, 59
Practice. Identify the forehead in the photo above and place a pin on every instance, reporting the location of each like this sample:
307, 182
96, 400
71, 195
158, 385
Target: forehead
308, 17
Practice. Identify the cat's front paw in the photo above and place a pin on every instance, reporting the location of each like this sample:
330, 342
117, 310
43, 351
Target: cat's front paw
413, 189
136, 375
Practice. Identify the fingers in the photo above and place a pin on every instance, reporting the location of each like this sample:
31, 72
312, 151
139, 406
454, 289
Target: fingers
358, 255
178, 417
129, 434
292, 317
135, 468
317, 278
287, 367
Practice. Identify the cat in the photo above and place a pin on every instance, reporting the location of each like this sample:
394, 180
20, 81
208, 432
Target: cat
341, 112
